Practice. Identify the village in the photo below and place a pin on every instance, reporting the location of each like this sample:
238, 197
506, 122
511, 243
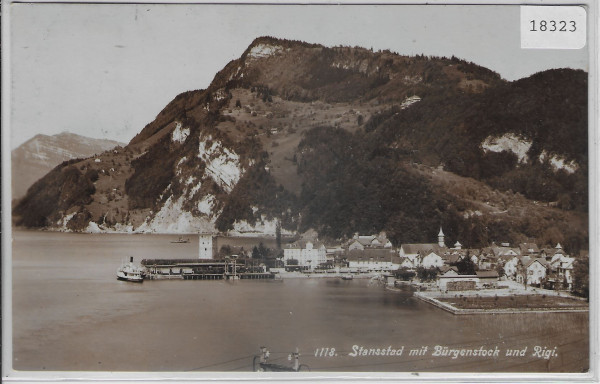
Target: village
500, 277
452, 268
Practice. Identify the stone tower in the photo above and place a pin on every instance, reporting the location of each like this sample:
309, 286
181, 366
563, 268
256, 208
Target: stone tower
441, 238
205, 246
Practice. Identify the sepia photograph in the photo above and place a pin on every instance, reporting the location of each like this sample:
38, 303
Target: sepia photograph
291, 191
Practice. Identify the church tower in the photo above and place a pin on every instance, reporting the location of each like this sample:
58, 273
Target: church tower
441, 238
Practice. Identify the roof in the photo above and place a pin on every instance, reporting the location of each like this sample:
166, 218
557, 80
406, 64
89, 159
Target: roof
301, 244
504, 251
446, 268
567, 263
416, 248
562, 261
548, 251
487, 254
365, 240
506, 258
377, 254
531, 261
527, 248
525, 260
425, 254
488, 274
451, 257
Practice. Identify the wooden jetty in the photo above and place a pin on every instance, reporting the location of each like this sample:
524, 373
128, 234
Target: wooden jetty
202, 269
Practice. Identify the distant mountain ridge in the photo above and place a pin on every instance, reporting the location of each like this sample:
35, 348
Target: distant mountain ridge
335, 139
38, 155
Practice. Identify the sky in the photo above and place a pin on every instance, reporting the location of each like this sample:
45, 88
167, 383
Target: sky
107, 70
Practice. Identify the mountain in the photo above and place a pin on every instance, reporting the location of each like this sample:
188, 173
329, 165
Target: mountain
342, 140
37, 156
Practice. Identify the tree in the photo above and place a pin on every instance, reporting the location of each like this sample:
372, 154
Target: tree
225, 251
260, 252
426, 274
500, 270
581, 278
278, 235
404, 274
292, 262
279, 258
255, 253
465, 266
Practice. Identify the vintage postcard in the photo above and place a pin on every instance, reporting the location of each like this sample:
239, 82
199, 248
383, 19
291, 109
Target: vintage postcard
299, 191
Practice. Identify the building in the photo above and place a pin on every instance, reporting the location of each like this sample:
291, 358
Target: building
359, 242
529, 249
356, 245
531, 271
412, 251
431, 260
487, 279
373, 260
561, 270
510, 267
406, 263
504, 251
487, 259
205, 246
306, 254
450, 280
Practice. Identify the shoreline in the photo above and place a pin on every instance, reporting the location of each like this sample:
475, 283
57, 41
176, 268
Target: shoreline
106, 231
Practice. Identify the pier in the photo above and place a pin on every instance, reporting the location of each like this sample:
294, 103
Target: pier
202, 269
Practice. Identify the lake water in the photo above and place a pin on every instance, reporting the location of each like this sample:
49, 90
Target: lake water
70, 313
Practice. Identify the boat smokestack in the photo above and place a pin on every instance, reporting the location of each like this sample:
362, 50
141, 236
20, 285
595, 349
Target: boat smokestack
131, 259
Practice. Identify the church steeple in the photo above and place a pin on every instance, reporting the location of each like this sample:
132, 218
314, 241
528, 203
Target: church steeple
441, 238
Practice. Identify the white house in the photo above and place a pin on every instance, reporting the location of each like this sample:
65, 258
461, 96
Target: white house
562, 268
431, 260
407, 263
531, 271
510, 267
309, 256
536, 271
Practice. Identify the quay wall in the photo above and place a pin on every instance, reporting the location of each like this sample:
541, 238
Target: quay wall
458, 311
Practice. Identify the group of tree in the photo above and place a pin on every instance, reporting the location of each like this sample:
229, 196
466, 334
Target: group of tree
64, 187
581, 277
